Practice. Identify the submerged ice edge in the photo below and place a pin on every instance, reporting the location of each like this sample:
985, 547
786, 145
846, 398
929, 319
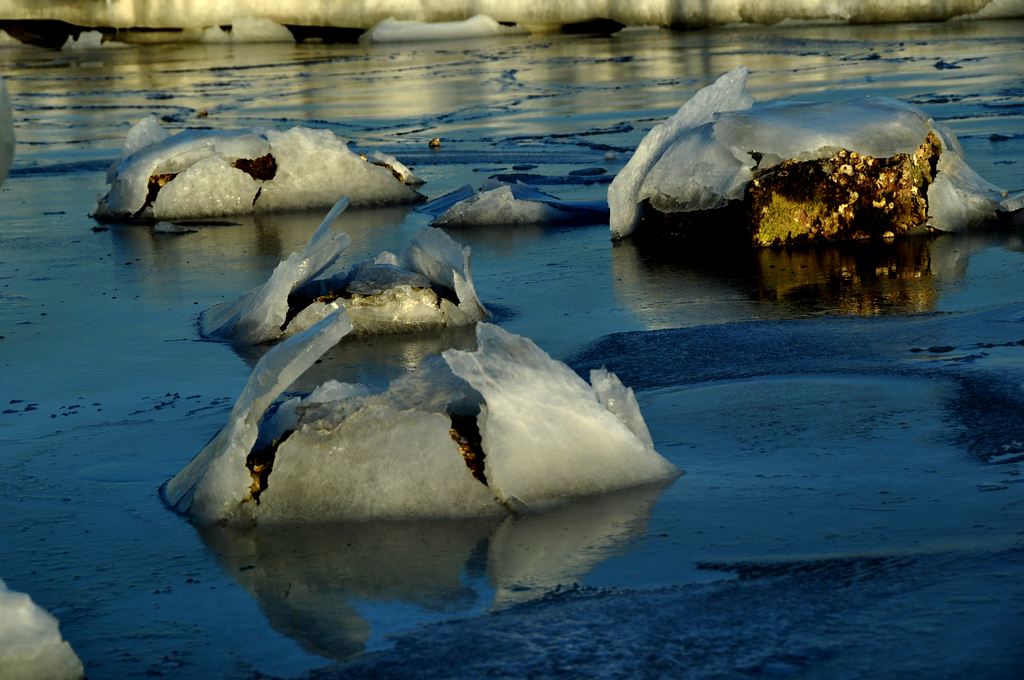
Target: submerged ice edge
363, 14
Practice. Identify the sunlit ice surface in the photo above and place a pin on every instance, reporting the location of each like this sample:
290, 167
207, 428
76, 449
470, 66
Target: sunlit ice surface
847, 417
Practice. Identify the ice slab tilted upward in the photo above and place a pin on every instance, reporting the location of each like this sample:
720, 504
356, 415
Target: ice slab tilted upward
502, 429
428, 286
703, 156
259, 315
366, 13
31, 647
510, 204
204, 173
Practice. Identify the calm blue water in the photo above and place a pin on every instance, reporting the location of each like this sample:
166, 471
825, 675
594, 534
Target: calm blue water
848, 418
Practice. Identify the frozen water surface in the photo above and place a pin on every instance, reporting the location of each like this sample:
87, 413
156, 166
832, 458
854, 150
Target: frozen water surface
848, 418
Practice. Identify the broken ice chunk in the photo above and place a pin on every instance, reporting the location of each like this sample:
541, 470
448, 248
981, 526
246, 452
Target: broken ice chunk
479, 26
509, 204
31, 647
546, 432
218, 479
399, 169
373, 279
259, 315
428, 287
728, 93
722, 169
504, 428
206, 173
247, 29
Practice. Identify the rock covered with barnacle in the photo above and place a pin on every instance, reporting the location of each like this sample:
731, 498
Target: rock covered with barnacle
205, 173
723, 168
502, 429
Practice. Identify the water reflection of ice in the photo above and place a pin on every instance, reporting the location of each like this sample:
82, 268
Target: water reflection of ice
312, 581
671, 289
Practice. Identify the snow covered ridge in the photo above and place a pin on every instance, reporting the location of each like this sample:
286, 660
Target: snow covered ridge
788, 171
363, 14
427, 287
503, 429
205, 173
31, 647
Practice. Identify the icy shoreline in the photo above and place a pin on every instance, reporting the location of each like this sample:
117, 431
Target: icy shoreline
363, 14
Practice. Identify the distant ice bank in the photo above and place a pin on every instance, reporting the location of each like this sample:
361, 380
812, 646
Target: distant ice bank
363, 14
205, 173
503, 429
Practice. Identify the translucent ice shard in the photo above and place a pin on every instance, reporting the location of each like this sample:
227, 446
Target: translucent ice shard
218, 483
799, 170
428, 286
31, 647
205, 173
504, 428
259, 315
546, 432
510, 204
728, 93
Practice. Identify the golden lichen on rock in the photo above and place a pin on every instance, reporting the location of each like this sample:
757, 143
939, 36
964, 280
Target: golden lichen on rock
846, 196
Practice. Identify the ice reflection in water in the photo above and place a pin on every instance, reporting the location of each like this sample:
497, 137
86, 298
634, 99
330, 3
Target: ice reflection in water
671, 288
311, 581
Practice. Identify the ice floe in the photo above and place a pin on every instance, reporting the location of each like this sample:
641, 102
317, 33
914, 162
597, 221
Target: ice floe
367, 13
509, 204
502, 429
206, 173
719, 148
479, 26
31, 647
426, 287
